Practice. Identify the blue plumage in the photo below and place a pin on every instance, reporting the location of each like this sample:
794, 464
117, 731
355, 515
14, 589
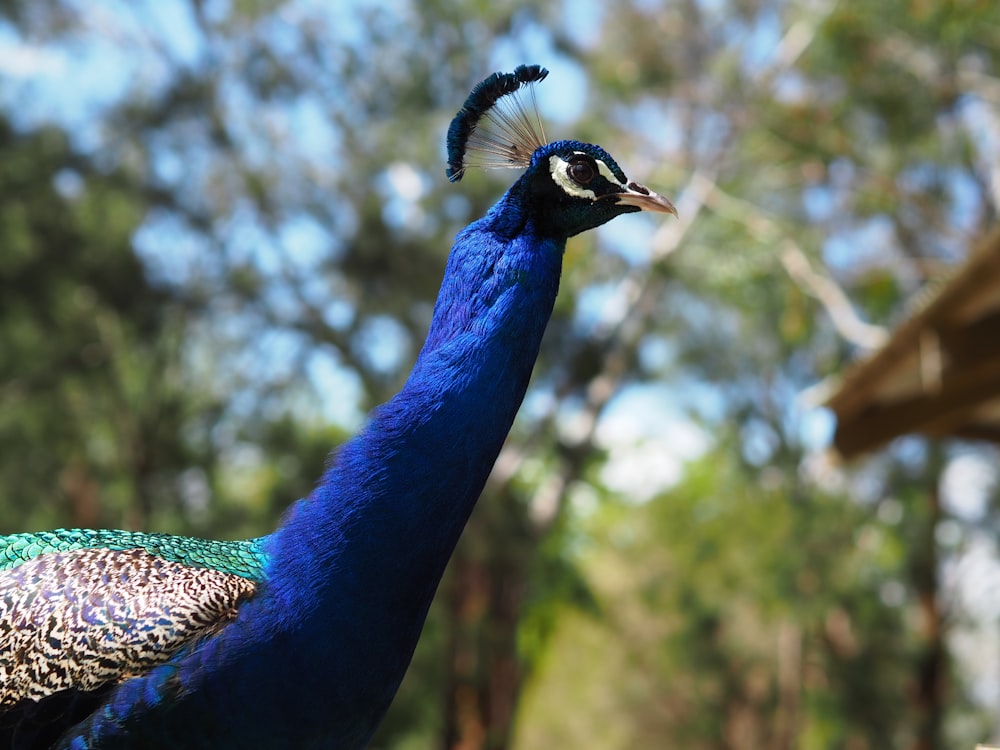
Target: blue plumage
323, 615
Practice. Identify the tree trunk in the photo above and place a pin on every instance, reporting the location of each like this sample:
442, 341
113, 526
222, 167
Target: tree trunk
931, 672
484, 606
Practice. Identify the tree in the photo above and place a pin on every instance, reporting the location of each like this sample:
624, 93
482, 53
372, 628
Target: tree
94, 402
280, 227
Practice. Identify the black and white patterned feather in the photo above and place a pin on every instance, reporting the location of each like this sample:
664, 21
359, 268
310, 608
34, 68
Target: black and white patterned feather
81, 619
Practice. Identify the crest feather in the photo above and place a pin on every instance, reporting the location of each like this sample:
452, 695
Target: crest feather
496, 127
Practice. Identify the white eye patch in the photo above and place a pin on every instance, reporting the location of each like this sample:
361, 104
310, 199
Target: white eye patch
559, 168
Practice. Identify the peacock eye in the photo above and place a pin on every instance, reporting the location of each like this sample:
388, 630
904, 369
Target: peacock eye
581, 171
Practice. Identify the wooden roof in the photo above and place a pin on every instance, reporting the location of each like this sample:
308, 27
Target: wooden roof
939, 374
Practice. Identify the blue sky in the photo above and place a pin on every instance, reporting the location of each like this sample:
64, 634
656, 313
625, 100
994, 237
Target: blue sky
125, 45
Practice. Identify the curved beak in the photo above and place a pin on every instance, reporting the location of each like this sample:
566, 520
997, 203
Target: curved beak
645, 199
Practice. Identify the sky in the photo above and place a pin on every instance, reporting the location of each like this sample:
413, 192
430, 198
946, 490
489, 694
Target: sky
73, 81
645, 429
126, 44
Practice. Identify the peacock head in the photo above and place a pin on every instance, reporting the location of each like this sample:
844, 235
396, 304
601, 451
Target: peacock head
568, 186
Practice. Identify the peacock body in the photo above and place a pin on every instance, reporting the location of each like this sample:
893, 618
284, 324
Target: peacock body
114, 639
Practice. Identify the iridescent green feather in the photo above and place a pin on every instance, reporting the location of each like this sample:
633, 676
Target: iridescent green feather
244, 558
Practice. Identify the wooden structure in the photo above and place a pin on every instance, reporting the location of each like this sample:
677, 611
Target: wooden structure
939, 374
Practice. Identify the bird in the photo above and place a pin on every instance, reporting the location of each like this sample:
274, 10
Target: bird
300, 638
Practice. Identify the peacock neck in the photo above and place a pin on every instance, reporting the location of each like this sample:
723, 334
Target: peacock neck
383, 522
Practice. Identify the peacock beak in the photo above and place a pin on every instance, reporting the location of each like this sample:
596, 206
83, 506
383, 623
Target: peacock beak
645, 199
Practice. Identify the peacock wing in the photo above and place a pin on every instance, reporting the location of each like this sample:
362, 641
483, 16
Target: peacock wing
83, 619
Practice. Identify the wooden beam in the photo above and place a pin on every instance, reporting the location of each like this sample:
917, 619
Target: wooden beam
967, 294
984, 433
961, 391
965, 345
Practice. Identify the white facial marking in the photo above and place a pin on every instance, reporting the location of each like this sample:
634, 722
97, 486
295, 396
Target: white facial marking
605, 170
559, 168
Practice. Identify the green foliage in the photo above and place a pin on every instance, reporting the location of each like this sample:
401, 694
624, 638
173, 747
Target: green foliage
207, 277
82, 334
742, 617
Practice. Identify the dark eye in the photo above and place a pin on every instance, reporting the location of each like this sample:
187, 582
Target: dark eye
581, 172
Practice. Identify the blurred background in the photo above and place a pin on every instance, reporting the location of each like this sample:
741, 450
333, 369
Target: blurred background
222, 227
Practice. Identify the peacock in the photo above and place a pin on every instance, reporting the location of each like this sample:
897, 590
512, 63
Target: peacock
299, 639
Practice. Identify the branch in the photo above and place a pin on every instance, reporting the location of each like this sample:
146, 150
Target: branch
795, 262
836, 302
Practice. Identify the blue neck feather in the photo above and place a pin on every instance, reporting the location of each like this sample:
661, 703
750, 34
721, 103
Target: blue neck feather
370, 543
388, 513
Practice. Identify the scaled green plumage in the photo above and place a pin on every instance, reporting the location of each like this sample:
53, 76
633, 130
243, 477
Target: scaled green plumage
243, 557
